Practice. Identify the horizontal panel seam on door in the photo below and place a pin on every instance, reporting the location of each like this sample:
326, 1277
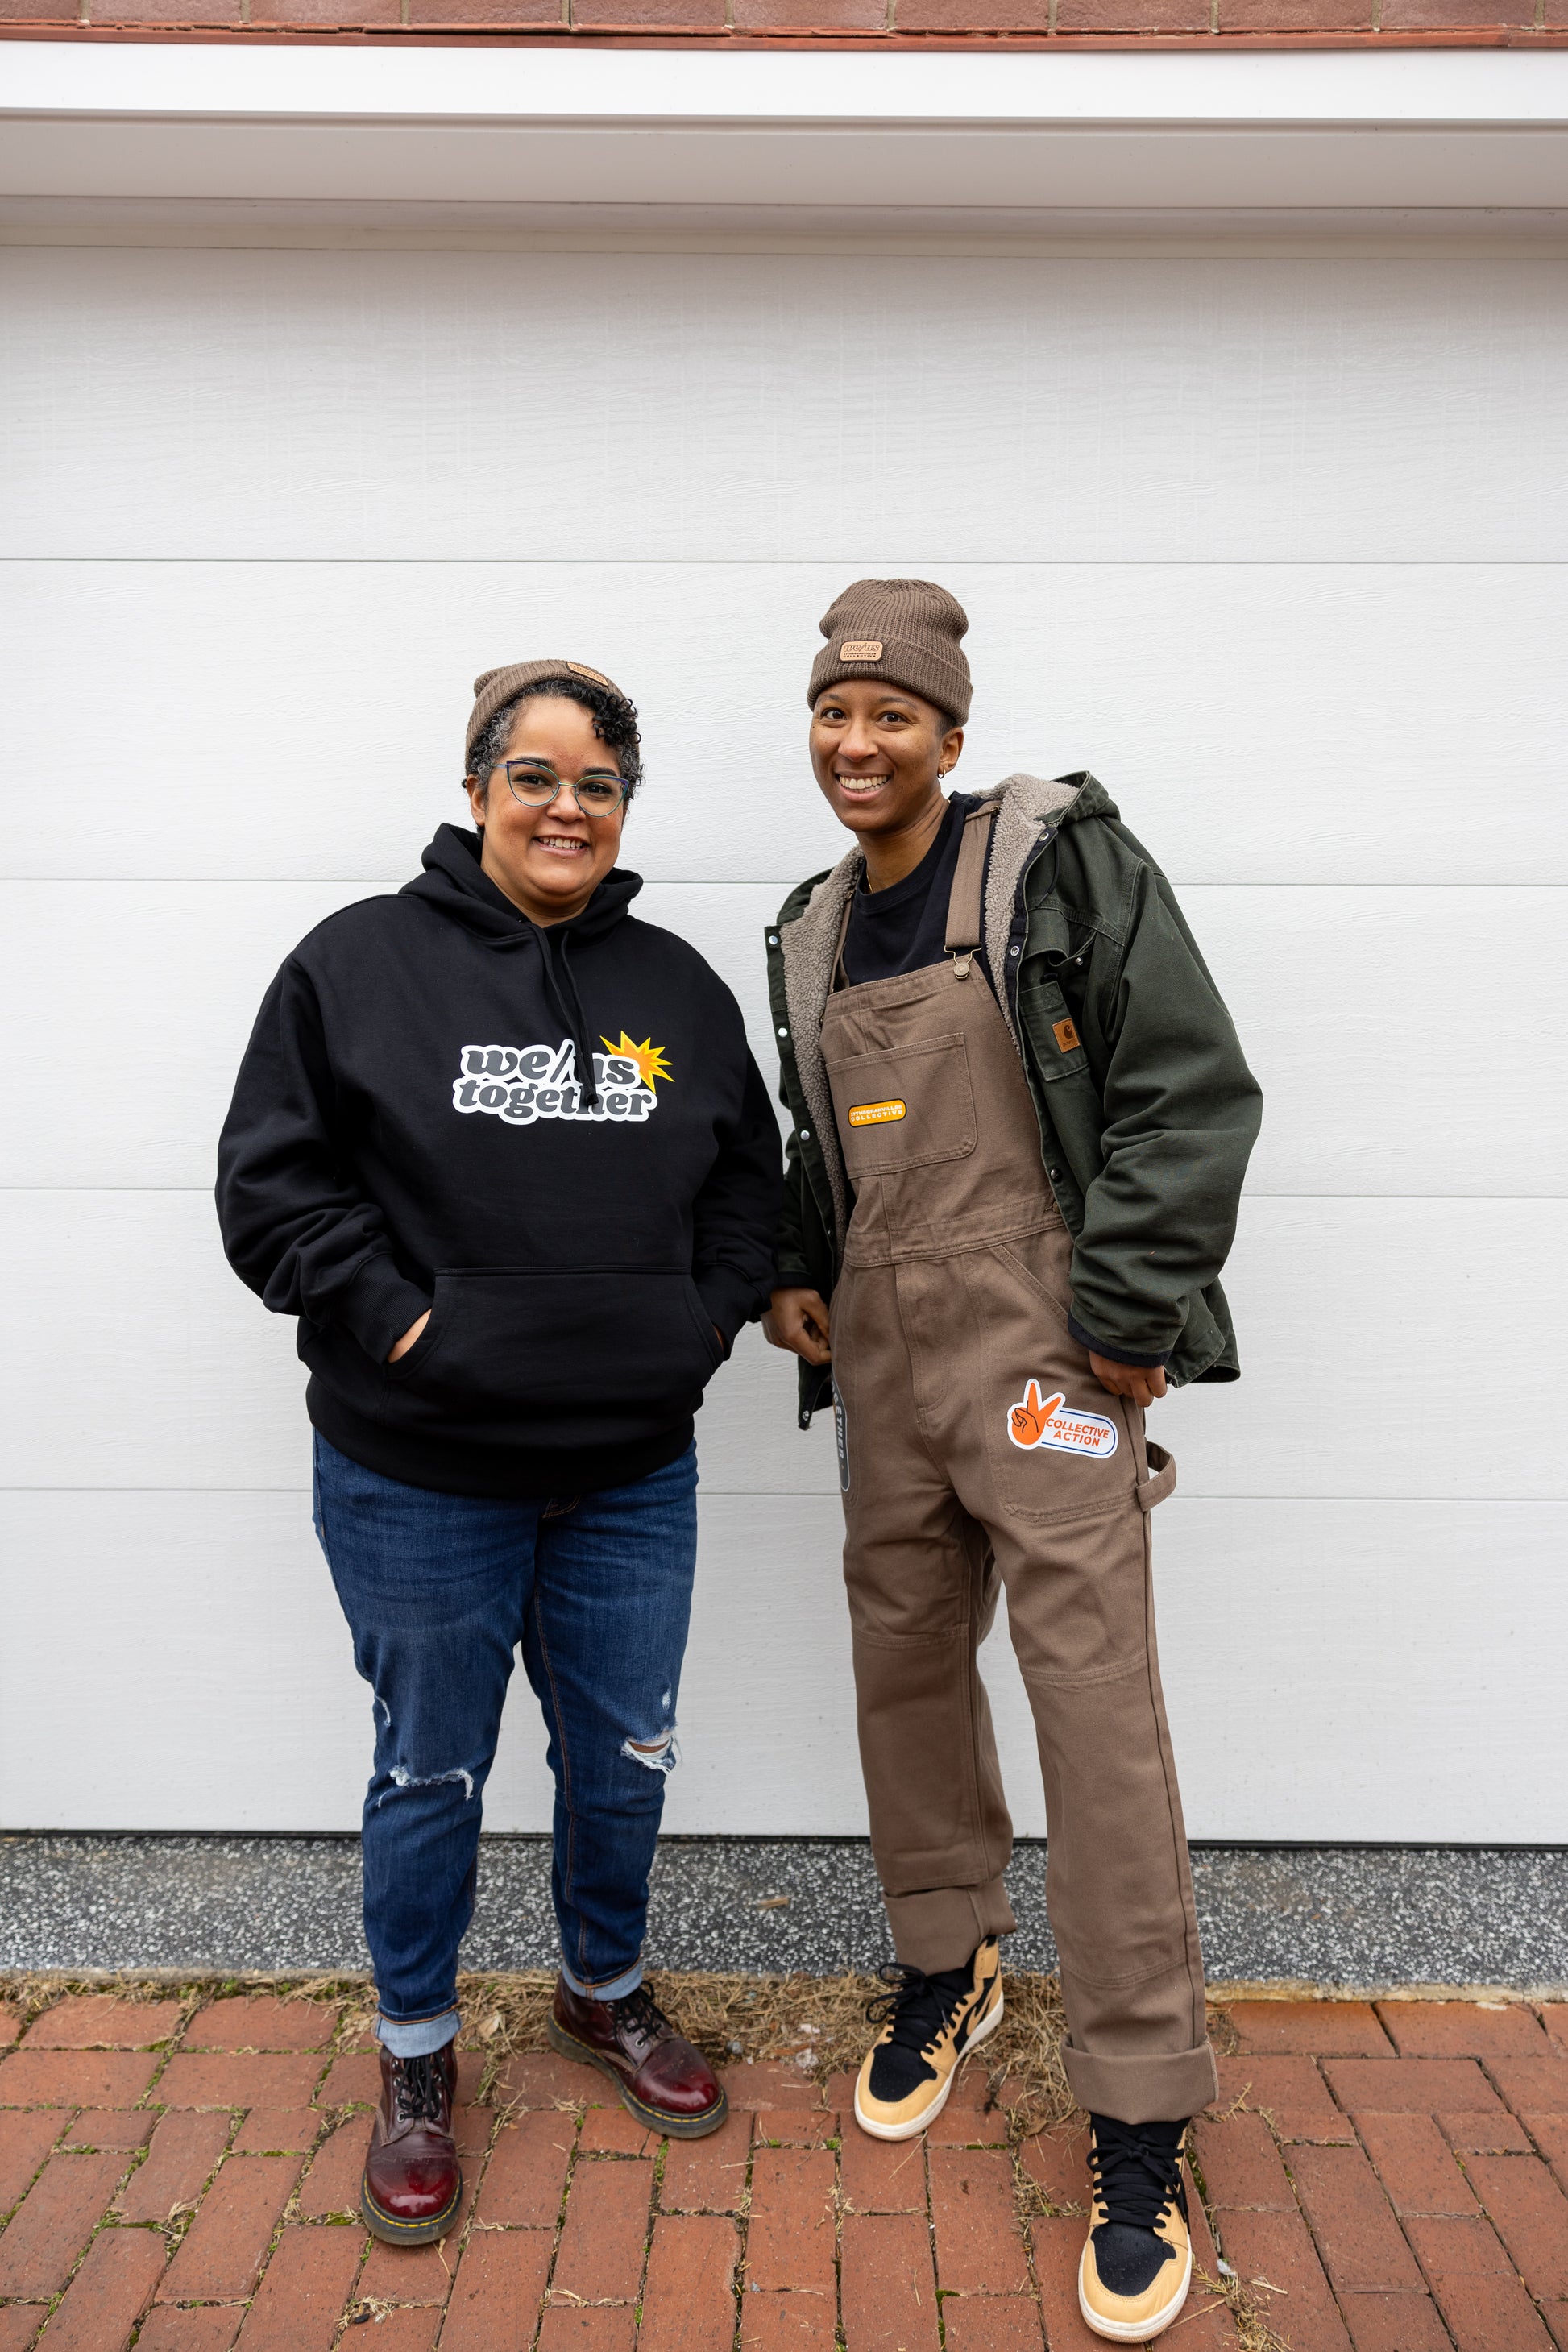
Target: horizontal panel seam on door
1239, 246
47, 1192
600, 563
596, 565
656, 882
1242, 242
799, 1495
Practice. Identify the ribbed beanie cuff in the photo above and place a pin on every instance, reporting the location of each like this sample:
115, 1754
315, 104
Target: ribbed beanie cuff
904, 632
494, 689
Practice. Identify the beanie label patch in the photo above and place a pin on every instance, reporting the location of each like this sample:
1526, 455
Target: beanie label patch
580, 669
862, 649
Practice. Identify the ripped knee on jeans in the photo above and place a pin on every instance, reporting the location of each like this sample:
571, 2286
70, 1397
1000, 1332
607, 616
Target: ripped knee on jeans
658, 1755
402, 1778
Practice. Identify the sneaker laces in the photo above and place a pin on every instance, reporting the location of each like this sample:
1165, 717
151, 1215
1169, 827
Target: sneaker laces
419, 2093
917, 2005
1135, 2179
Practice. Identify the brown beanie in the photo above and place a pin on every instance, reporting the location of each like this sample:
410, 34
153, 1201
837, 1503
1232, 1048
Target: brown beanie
494, 689
904, 632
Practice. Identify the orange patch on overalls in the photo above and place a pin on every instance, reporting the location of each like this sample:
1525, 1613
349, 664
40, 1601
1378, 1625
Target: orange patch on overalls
876, 1114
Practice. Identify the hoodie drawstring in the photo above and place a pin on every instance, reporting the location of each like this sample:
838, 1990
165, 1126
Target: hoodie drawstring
561, 990
576, 1022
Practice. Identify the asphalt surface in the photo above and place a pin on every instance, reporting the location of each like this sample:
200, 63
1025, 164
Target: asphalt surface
1347, 1916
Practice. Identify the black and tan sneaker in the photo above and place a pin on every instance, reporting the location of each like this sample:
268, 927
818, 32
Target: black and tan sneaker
1138, 2262
930, 2024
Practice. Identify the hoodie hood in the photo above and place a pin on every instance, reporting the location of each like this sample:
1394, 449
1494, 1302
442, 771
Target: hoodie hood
455, 883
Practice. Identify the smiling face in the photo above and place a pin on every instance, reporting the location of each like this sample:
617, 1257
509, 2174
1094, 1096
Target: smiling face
879, 754
548, 861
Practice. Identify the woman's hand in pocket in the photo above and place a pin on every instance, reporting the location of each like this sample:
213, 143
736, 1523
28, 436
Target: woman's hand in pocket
797, 1320
401, 1346
1141, 1384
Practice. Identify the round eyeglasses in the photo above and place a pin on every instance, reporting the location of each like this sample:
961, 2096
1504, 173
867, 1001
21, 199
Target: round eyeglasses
536, 786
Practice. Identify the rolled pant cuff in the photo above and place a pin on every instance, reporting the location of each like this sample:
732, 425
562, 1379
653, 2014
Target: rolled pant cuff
1165, 2087
417, 2037
616, 1989
938, 1928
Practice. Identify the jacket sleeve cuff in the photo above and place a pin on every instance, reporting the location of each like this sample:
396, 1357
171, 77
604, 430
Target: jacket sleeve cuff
1115, 1352
729, 1300
378, 1306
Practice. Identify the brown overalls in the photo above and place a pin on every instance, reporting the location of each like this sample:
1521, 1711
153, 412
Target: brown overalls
977, 1448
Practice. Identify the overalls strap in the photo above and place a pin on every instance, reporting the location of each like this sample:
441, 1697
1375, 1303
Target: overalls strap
965, 901
965, 922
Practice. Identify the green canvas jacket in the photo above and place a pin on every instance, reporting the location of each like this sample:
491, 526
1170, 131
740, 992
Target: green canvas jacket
1147, 1111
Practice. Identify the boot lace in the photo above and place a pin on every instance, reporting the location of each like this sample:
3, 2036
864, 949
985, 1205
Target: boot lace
419, 2093
639, 2009
1134, 2179
918, 2006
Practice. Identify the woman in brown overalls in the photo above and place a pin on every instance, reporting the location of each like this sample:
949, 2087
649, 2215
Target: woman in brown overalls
968, 1176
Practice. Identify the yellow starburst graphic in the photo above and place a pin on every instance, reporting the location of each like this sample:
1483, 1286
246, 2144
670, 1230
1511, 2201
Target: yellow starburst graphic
648, 1058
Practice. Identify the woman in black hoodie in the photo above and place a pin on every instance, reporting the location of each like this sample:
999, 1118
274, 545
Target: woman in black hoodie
503, 1151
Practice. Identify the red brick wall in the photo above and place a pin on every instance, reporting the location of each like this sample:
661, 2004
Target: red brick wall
814, 24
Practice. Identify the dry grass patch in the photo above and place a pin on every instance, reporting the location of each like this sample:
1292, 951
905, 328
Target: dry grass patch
817, 2023
1253, 2332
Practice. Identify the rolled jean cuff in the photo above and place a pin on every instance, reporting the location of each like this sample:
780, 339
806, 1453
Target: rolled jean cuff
1165, 2087
616, 1989
417, 2037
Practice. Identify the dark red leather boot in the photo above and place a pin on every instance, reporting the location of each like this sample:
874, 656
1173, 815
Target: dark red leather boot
413, 2182
665, 2083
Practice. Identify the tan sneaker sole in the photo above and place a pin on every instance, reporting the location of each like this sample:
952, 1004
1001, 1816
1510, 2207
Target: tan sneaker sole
915, 2124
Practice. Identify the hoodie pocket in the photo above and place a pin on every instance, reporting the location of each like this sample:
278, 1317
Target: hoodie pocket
574, 1356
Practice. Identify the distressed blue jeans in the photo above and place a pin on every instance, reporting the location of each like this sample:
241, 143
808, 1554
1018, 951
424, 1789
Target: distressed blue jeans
439, 1591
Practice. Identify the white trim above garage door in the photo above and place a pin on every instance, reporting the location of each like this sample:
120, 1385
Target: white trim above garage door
669, 128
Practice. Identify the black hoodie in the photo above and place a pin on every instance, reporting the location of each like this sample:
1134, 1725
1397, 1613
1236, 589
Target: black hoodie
555, 1138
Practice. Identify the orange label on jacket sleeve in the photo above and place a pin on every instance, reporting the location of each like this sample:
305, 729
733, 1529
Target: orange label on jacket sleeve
876, 1114
1065, 1034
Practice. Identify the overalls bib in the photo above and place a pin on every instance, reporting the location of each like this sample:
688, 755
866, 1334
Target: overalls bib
977, 1450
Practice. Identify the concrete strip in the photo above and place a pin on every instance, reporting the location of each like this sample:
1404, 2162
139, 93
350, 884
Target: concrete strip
1351, 1917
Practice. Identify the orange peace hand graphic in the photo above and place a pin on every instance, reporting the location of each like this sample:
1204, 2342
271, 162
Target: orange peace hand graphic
1029, 1419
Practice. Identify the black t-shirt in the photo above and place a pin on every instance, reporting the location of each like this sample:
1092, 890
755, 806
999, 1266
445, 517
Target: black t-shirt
904, 927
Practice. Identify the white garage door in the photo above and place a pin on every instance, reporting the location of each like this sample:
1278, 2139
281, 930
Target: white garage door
1273, 544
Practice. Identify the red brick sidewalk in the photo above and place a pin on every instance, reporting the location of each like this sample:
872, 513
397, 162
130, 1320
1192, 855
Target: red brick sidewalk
1393, 2179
